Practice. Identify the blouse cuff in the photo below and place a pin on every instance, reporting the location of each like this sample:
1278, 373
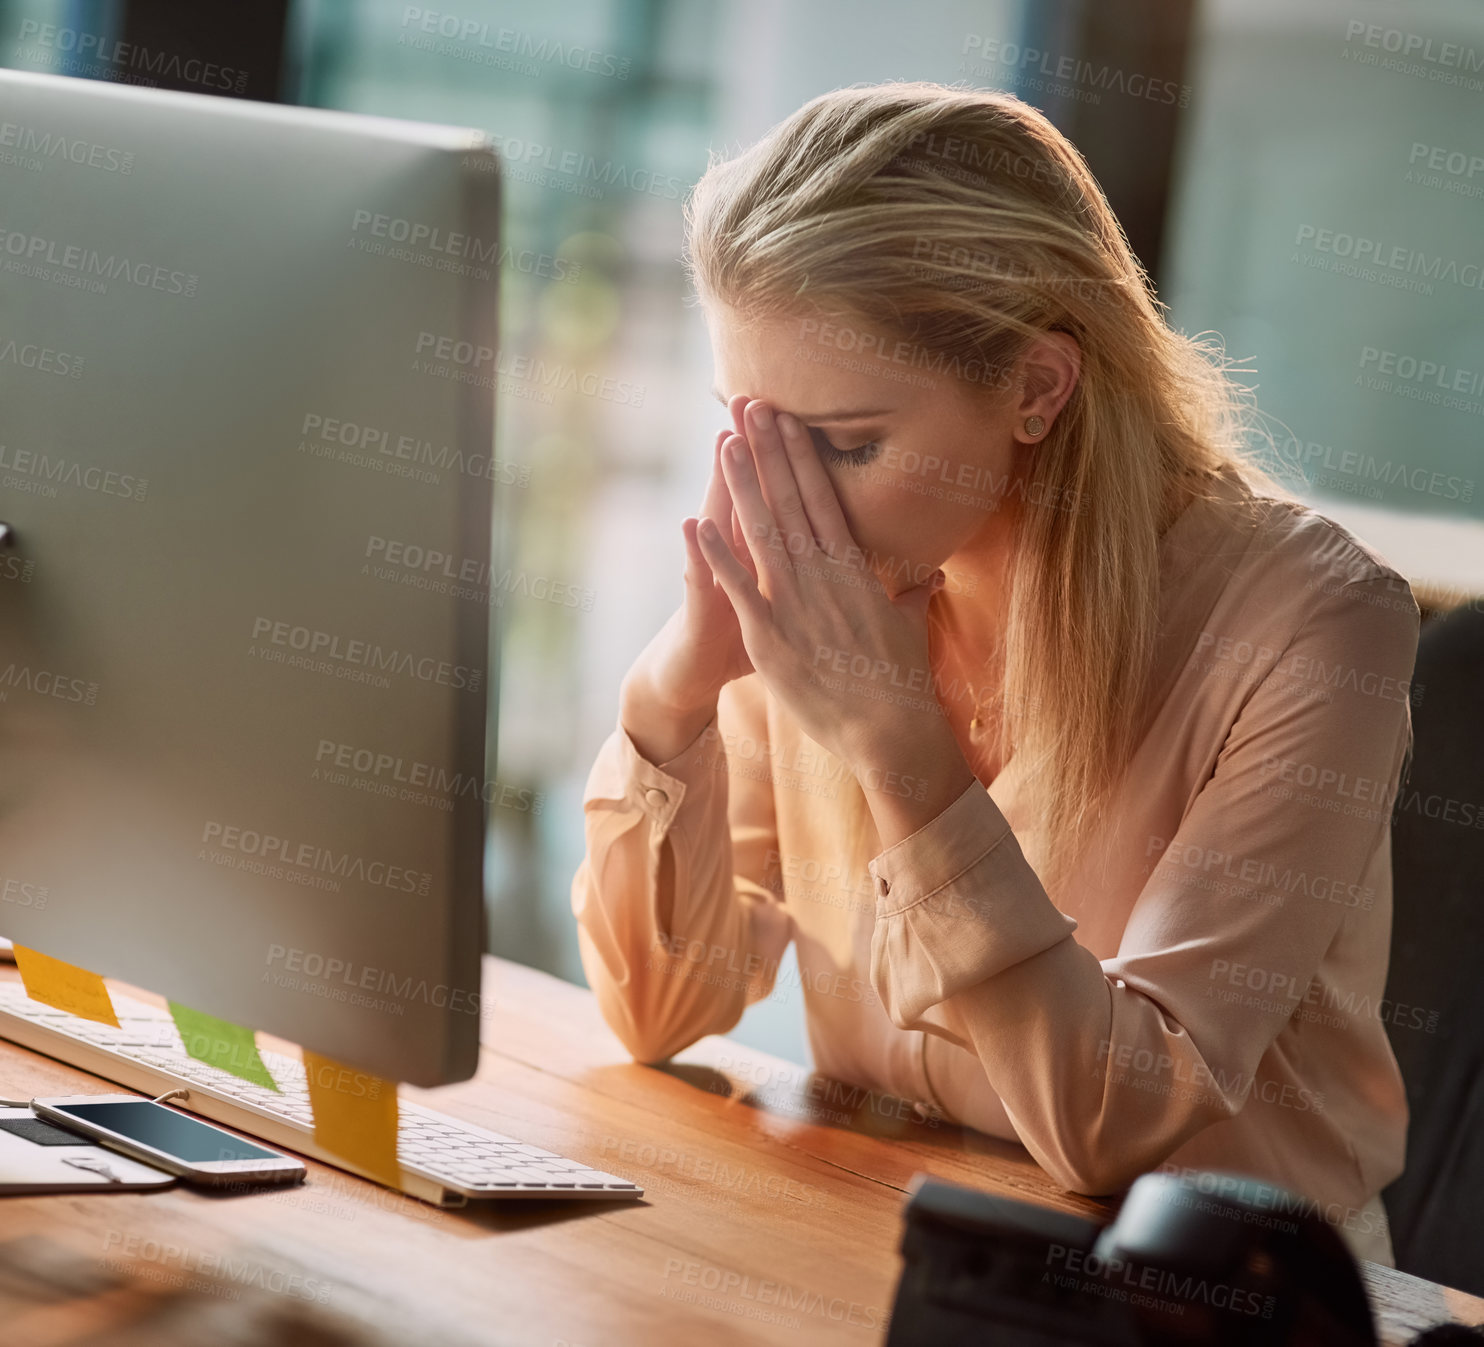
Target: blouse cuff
956, 903
657, 791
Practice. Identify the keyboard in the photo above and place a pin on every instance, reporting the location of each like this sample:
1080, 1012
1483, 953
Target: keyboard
443, 1160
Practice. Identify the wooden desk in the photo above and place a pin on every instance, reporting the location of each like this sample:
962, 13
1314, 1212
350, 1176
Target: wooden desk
752, 1170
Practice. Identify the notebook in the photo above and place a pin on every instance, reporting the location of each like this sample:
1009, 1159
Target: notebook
36, 1157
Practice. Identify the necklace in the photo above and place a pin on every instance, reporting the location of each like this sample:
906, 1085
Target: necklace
983, 716
953, 656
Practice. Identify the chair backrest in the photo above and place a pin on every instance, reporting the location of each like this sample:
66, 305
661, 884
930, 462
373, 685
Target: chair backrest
1434, 1004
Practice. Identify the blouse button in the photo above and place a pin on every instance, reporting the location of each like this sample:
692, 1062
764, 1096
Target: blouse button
656, 797
883, 886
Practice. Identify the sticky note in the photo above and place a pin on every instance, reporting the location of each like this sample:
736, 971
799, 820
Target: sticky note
222, 1044
65, 986
355, 1115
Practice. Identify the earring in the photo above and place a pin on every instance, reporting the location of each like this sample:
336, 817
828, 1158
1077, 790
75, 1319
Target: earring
1034, 425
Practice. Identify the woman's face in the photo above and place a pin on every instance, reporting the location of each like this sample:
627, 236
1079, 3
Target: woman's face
927, 466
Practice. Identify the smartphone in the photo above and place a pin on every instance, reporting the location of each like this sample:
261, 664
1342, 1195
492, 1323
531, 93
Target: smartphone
174, 1142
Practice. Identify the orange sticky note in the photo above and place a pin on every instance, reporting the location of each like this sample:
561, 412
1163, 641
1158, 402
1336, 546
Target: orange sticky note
355, 1115
65, 986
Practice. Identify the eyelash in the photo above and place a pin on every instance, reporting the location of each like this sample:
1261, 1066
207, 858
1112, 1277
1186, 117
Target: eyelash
847, 458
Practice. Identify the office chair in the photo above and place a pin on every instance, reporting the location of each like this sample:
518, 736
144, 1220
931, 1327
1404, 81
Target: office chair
1437, 942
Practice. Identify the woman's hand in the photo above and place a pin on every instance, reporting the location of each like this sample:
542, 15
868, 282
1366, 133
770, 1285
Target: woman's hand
670, 693
849, 662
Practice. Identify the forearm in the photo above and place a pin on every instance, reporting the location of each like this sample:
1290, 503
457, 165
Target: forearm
1105, 1066
964, 929
658, 990
677, 929
1102, 1084
653, 899
909, 779
660, 732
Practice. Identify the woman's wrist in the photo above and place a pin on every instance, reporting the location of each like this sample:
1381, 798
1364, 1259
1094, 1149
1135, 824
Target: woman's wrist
908, 782
659, 729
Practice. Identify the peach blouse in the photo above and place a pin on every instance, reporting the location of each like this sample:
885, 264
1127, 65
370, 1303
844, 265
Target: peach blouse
1203, 988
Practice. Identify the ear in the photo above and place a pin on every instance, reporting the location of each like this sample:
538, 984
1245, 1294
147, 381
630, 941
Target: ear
1050, 369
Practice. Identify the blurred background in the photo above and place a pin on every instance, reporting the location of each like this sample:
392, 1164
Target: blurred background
1303, 177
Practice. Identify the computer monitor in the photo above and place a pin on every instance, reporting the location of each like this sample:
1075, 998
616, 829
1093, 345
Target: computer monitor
247, 369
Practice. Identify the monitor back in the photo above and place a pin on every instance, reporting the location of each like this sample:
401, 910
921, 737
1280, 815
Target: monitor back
247, 368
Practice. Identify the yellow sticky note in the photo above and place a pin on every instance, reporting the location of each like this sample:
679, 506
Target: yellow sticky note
355, 1115
65, 986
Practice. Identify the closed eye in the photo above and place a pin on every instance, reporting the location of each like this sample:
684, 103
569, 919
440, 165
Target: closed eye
857, 457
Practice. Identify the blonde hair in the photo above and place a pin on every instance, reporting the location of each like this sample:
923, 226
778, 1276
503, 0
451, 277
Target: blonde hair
964, 223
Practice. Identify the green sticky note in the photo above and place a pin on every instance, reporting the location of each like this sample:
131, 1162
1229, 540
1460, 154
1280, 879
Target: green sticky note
219, 1043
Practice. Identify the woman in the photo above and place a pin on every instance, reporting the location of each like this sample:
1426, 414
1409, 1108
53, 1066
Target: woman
1058, 741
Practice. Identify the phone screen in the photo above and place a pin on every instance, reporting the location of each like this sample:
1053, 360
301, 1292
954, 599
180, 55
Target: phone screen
168, 1131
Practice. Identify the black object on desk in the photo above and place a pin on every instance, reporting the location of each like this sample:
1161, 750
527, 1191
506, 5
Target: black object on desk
1213, 1259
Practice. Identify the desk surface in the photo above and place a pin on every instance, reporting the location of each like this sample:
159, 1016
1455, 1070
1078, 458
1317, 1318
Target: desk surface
755, 1174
